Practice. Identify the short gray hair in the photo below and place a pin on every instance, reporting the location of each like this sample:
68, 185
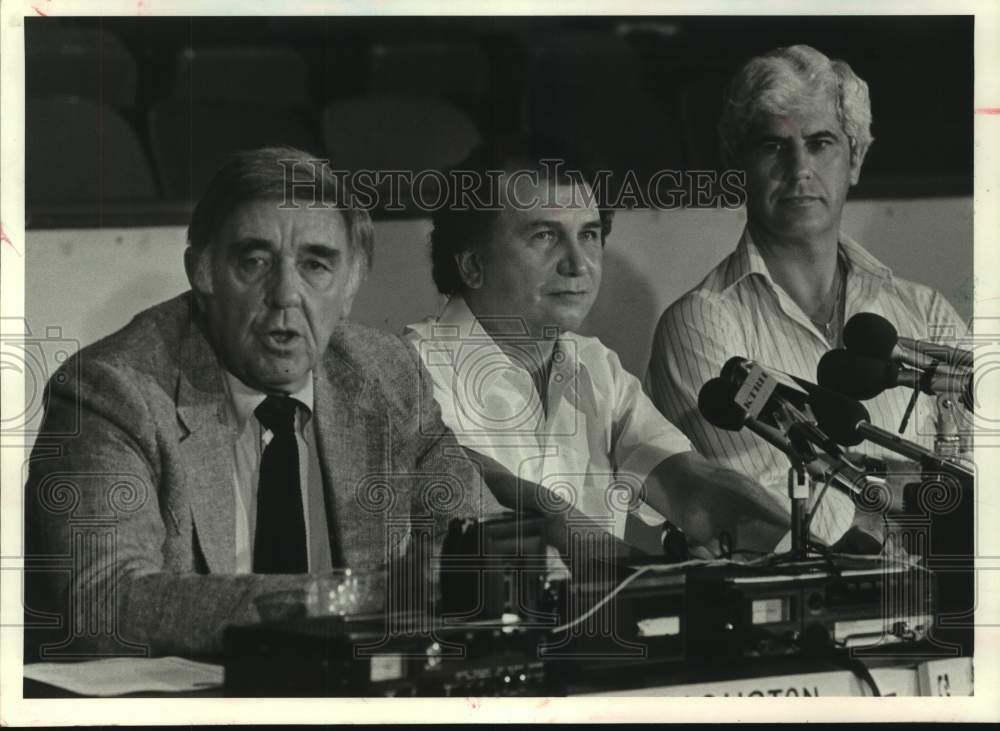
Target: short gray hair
780, 80
262, 174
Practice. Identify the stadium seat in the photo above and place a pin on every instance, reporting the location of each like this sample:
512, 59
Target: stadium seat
81, 62
254, 75
594, 60
398, 133
699, 106
79, 151
190, 140
458, 72
622, 129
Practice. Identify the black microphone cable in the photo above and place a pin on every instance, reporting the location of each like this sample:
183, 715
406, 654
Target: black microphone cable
856, 666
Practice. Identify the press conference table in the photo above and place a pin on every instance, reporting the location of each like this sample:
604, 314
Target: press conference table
761, 677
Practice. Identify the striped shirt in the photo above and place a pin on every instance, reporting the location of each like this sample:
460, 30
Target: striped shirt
738, 309
599, 430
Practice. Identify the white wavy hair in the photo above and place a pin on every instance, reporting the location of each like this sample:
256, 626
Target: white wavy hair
780, 81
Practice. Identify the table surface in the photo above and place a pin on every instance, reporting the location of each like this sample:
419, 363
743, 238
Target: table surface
721, 676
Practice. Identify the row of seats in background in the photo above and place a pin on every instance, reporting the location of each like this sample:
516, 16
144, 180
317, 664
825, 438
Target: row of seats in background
143, 117
426, 105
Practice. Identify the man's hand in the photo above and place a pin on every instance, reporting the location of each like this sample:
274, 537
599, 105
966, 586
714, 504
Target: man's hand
871, 534
705, 500
897, 473
857, 541
513, 492
567, 529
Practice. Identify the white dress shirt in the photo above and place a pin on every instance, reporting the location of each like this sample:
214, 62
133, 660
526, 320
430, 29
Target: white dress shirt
247, 452
598, 430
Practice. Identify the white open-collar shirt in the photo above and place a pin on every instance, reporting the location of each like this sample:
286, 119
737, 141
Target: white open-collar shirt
738, 309
599, 429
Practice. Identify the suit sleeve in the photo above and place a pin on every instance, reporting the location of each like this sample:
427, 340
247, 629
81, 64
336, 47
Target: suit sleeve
96, 514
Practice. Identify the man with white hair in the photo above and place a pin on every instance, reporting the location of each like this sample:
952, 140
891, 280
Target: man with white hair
799, 124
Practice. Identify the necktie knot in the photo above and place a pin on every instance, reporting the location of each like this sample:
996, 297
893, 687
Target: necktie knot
277, 413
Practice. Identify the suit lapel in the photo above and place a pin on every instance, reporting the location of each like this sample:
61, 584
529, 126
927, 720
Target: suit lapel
207, 451
354, 456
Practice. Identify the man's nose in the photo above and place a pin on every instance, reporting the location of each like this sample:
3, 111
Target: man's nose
573, 262
799, 162
285, 286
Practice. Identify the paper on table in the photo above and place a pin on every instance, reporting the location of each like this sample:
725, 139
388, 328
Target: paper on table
121, 675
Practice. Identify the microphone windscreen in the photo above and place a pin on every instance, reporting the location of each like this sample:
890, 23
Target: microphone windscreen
855, 375
838, 415
733, 370
715, 402
869, 334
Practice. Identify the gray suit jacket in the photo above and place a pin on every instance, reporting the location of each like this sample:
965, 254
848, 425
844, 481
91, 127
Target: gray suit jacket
130, 492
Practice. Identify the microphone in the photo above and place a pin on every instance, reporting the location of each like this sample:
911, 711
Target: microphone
848, 422
855, 375
762, 395
872, 335
864, 378
737, 369
716, 404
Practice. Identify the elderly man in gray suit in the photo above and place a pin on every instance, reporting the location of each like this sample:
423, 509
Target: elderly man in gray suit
237, 439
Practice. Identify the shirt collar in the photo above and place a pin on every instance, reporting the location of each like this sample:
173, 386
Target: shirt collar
456, 323
747, 260
457, 319
244, 400
860, 259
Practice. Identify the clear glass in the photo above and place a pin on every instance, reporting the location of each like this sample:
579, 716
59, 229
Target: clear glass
339, 593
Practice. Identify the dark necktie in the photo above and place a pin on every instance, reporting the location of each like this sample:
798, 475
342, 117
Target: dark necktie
280, 538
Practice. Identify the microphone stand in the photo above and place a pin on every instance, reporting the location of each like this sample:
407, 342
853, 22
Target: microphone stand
800, 488
800, 482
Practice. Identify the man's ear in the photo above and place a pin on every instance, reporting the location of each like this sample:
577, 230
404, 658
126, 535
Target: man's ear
196, 265
858, 154
470, 268
354, 282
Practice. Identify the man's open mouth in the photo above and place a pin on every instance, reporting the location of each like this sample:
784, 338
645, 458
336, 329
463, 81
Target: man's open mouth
280, 337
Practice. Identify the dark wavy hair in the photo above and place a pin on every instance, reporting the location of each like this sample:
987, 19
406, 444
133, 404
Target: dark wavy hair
460, 228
